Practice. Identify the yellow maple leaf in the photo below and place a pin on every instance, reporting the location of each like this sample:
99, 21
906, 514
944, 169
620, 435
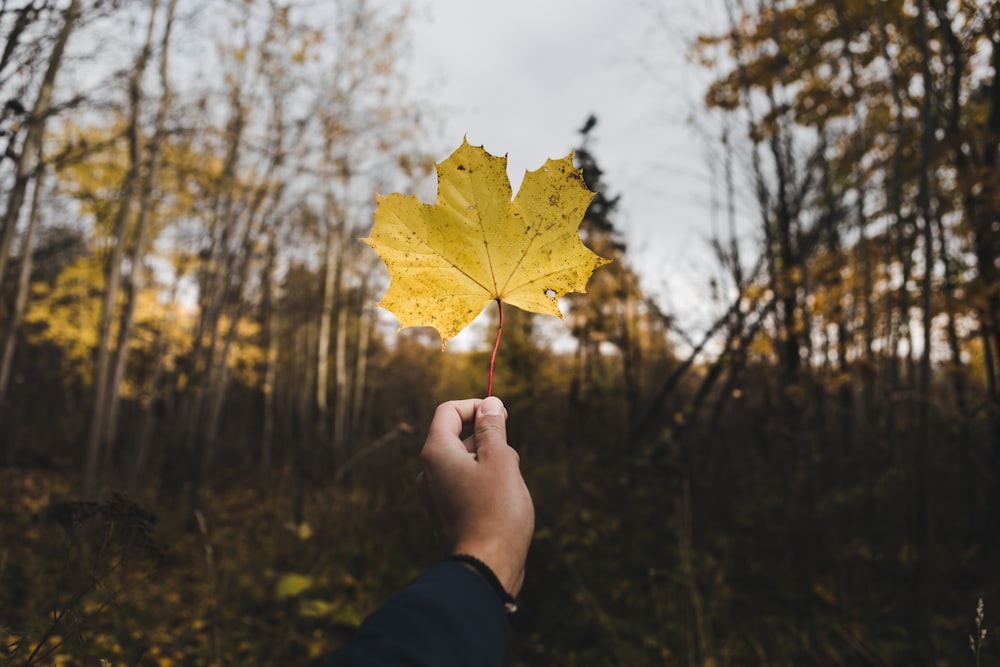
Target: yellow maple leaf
474, 245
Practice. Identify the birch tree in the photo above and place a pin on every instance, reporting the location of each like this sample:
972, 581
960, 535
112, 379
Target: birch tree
27, 159
104, 373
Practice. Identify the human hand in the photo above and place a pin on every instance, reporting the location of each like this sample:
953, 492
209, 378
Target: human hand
474, 488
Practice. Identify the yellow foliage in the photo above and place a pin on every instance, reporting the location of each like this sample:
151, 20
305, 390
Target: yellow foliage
67, 314
95, 181
188, 171
449, 260
761, 345
246, 357
316, 648
756, 291
293, 585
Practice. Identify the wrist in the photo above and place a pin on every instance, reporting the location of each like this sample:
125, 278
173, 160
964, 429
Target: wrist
508, 571
487, 573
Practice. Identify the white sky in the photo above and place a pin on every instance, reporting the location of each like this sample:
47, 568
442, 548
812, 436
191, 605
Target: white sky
521, 76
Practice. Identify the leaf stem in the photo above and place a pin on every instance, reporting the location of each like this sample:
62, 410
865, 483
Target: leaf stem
496, 346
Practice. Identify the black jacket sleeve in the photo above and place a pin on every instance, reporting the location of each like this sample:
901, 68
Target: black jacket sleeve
450, 616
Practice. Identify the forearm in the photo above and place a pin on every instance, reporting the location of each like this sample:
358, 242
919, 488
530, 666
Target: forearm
449, 616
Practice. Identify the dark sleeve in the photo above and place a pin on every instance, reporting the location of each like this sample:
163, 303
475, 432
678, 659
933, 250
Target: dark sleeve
449, 616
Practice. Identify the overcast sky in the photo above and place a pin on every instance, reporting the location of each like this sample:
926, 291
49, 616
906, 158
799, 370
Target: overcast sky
521, 76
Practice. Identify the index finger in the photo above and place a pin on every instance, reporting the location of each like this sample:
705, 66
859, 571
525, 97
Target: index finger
449, 418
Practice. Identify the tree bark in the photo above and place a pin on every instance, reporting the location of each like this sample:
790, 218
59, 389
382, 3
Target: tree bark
270, 325
27, 161
103, 377
21, 300
331, 280
919, 520
359, 410
25, 16
341, 394
135, 281
219, 370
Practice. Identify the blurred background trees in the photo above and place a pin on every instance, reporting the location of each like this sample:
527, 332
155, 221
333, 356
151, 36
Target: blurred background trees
184, 313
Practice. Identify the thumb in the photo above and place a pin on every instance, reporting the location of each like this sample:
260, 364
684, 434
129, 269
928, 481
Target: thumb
491, 424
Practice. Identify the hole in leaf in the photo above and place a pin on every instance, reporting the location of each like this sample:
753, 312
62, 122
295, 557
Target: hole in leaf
550, 293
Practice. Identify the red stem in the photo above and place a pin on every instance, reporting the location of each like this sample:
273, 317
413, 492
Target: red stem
496, 346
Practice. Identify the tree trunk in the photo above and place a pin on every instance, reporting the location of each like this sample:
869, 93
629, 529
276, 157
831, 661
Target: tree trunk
977, 169
135, 281
919, 520
330, 285
859, 412
699, 648
156, 381
25, 16
359, 410
341, 394
219, 370
631, 356
30, 152
96, 443
182, 466
21, 300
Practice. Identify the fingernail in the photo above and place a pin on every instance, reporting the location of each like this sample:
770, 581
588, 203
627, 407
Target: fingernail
491, 406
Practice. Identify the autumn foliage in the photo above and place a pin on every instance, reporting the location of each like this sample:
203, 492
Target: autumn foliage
475, 245
208, 435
